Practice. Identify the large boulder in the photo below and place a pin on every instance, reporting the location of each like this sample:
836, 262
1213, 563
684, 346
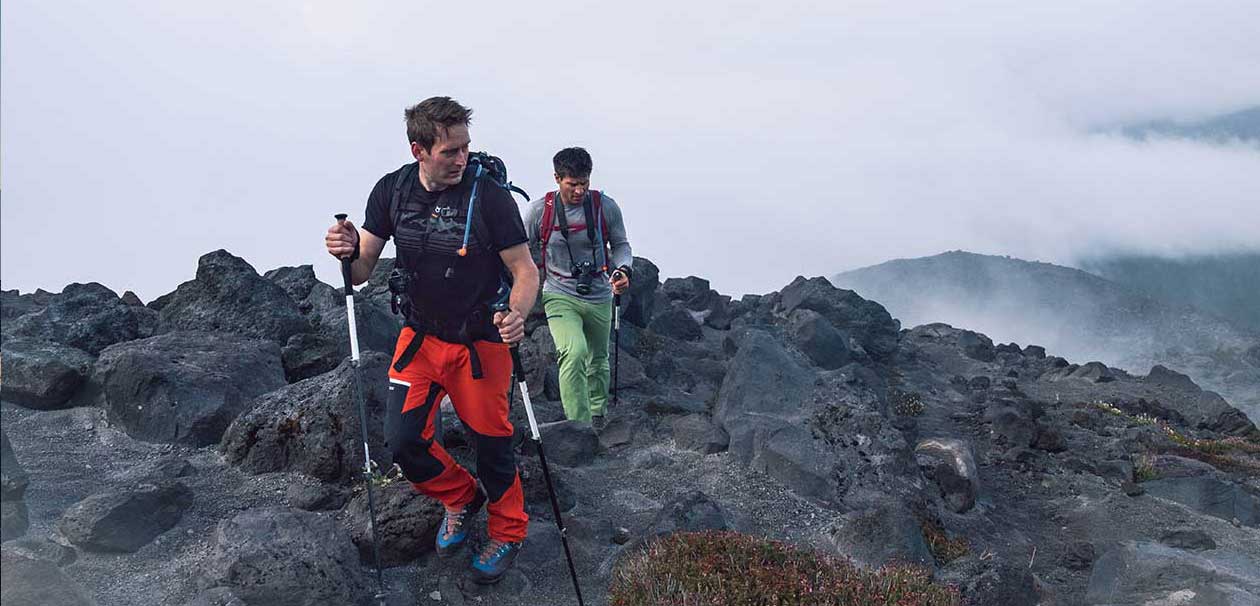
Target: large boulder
878, 531
692, 511
185, 387
41, 374
992, 582
952, 465
1139, 572
568, 443
1094, 372
1211, 496
866, 321
229, 296
694, 294
312, 426
818, 339
1170, 396
298, 282
285, 557
1171, 379
696, 432
89, 317
126, 520
308, 354
763, 392
977, 346
14, 304
637, 304
406, 524
677, 322
1012, 427
1210, 411
821, 435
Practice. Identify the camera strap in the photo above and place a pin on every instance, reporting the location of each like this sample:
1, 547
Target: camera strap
563, 219
589, 212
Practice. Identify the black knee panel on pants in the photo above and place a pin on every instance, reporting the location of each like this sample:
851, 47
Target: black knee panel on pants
403, 434
496, 463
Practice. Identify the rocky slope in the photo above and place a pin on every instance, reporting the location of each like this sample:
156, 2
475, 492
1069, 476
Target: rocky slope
1076, 314
203, 450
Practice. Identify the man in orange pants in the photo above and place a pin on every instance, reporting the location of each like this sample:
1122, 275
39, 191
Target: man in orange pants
458, 235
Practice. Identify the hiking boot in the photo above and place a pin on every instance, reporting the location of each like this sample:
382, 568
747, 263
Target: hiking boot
494, 561
599, 422
453, 532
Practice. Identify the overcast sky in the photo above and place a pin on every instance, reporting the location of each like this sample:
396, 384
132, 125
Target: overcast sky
747, 142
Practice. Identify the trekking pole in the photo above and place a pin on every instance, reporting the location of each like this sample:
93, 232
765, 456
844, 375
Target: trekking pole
519, 370
616, 345
358, 396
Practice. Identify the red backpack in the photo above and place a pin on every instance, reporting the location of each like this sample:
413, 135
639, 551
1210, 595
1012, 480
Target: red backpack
594, 209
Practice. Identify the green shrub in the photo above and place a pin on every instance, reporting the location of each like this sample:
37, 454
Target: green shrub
732, 569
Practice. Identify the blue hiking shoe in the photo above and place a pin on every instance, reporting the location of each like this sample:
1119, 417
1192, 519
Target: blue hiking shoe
453, 532
495, 560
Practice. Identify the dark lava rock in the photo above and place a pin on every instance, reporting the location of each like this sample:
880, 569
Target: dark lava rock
406, 524
125, 521
312, 426
825, 346
678, 323
690, 512
185, 387
284, 557
41, 374
89, 317
228, 295
637, 304
696, 432
866, 321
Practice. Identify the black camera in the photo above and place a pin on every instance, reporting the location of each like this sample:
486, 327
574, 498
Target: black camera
584, 272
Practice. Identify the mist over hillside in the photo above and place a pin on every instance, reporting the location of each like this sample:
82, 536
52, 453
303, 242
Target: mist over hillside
1081, 315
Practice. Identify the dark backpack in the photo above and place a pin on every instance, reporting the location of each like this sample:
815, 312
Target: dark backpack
482, 167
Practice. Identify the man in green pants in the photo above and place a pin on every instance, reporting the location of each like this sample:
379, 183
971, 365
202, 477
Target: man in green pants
586, 258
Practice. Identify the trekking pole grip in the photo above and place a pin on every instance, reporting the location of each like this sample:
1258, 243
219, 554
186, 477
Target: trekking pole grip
346, 263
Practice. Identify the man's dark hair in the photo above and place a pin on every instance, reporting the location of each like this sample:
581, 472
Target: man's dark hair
572, 162
426, 118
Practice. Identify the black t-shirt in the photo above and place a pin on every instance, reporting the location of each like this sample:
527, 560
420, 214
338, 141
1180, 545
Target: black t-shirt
428, 235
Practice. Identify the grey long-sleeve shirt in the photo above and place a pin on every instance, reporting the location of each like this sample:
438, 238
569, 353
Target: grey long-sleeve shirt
559, 264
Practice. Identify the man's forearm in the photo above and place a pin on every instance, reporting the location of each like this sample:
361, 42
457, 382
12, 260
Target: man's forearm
361, 270
524, 294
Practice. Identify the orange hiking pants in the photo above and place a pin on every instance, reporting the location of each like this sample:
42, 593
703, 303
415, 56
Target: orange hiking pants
439, 368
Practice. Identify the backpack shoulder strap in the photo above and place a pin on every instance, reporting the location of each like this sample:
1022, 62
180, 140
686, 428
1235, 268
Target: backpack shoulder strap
395, 201
546, 225
592, 208
477, 221
597, 199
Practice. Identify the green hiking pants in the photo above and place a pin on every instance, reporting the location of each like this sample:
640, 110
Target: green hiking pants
580, 330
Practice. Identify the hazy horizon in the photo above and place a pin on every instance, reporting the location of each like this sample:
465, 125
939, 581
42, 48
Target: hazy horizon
748, 143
